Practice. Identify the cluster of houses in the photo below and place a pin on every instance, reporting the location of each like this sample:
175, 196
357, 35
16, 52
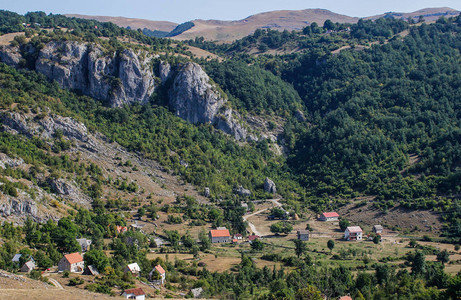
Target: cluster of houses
352, 233
74, 263
222, 235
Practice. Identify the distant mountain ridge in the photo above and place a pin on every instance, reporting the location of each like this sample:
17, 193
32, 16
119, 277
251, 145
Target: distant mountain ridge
133, 23
219, 30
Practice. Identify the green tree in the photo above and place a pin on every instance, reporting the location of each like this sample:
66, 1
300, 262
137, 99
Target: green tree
141, 212
443, 256
331, 245
97, 258
377, 239
281, 227
205, 242
300, 247
418, 266
343, 224
257, 245
308, 293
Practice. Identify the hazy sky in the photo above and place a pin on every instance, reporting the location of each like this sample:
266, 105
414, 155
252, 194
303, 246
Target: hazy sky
185, 10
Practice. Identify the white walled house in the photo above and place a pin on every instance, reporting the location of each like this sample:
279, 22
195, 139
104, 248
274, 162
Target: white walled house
353, 233
329, 216
137, 294
160, 271
133, 269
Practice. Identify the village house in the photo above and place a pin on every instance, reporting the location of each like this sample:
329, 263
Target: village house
121, 229
161, 274
71, 262
28, 266
238, 237
84, 244
91, 270
133, 268
303, 235
353, 233
378, 229
17, 257
220, 236
329, 216
137, 294
136, 226
253, 237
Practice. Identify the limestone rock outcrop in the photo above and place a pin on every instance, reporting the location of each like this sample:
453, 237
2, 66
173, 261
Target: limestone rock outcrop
241, 191
127, 77
118, 79
196, 99
192, 96
269, 186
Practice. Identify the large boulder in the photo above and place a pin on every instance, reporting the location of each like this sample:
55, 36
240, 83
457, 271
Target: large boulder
241, 191
269, 186
10, 56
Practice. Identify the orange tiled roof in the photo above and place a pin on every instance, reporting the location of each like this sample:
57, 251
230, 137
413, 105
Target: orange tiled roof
74, 258
220, 233
159, 269
330, 214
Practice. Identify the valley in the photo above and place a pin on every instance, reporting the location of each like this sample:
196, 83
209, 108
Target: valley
313, 163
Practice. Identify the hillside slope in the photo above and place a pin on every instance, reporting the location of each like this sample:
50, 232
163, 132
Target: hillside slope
277, 20
133, 23
219, 30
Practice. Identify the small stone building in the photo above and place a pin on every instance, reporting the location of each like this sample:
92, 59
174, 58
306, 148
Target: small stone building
71, 262
303, 235
84, 244
28, 266
220, 236
378, 229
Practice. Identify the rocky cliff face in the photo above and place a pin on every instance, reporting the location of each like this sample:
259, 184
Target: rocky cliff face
194, 98
121, 78
127, 77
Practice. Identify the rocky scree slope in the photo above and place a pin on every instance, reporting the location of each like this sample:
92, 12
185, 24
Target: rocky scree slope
50, 196
126, 77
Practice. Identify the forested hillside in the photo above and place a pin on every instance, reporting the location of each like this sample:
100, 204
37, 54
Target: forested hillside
364, 116
384, 110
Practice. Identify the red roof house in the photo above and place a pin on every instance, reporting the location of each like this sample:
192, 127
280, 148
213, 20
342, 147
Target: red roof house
72, 262
329, 216
353, 233
160, 271
253, 237
220, 236
121, 229
137, 294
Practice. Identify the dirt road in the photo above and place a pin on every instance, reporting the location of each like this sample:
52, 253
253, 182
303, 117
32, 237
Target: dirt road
251, 225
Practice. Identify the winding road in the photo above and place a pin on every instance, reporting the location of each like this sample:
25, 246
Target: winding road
53, 281
251, 225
